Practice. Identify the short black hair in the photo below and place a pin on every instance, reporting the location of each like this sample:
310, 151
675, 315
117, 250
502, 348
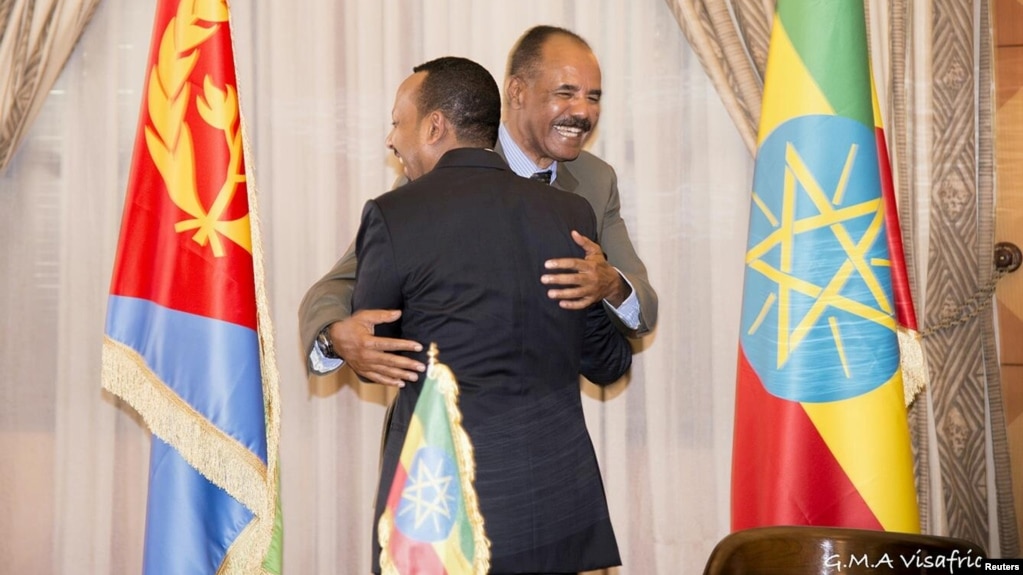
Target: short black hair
525, 58
466, 94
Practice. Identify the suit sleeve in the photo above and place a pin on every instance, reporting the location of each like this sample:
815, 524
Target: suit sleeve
328, 300
378, 285
614, 240
607, 354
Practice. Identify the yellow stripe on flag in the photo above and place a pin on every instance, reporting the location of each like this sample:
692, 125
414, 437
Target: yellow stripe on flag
789, 89
449, 552
869, 436
408, 453
878, 123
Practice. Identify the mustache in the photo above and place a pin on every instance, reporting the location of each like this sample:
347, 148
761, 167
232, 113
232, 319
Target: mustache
580, 123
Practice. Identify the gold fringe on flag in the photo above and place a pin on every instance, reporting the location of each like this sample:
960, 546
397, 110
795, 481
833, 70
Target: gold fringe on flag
913, 363
271, 526
448, 387
216, 455
384, 528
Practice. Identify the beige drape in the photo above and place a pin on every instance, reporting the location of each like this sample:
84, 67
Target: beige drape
933, 67
36, 38
733, 53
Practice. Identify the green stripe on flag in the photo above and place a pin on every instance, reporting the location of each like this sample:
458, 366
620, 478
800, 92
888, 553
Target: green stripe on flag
830, 37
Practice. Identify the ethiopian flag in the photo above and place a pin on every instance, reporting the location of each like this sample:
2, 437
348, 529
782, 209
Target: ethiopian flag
821, 432
432, 524
188, 338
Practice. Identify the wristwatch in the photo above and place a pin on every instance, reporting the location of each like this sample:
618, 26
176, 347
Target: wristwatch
323, 341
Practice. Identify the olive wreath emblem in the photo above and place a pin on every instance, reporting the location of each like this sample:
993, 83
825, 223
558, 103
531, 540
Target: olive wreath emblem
169, 138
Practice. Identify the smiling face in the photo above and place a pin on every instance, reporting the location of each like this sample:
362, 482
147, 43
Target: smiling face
553, 110
406, 138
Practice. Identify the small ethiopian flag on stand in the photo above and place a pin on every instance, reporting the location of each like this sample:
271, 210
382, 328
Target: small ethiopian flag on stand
432, 524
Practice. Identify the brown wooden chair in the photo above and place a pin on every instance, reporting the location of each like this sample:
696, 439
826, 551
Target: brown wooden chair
802, 550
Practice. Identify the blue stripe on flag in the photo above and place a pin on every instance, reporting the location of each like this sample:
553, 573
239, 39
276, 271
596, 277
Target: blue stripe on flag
822, 259
213, 365
190, 522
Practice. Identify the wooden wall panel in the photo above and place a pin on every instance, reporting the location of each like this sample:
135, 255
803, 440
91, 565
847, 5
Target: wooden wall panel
1009, 23
1009, 205
1008, 33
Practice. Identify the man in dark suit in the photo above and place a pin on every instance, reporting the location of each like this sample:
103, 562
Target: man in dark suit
553, 104
458, 251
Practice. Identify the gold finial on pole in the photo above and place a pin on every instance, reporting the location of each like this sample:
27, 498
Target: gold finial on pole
433, 353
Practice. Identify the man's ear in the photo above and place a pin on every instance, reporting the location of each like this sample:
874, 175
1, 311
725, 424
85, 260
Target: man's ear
514, 87
436, 126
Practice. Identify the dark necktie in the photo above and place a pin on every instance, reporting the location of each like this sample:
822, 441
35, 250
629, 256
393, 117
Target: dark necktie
544, 177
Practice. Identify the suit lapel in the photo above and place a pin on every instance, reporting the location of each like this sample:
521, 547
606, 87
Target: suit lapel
565, 180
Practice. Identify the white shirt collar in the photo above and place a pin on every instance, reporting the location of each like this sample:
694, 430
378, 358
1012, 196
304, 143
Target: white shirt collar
517, 159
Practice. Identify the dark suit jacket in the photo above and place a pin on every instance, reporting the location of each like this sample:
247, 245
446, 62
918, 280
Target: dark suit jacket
329, 299
460, 251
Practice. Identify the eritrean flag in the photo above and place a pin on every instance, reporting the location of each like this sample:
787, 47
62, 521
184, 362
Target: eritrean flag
188, 337
432, 523
821, 432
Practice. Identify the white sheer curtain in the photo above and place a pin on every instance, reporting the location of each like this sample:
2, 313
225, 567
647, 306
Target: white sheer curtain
317, 80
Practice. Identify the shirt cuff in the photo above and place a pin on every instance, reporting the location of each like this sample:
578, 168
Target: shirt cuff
628, 312
321, 364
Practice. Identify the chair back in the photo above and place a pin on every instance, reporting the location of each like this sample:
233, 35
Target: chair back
802, 550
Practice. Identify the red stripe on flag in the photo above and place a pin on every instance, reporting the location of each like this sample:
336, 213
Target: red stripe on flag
782, 471
397, 486
904, 310
174, 268
414, 557
157, 264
